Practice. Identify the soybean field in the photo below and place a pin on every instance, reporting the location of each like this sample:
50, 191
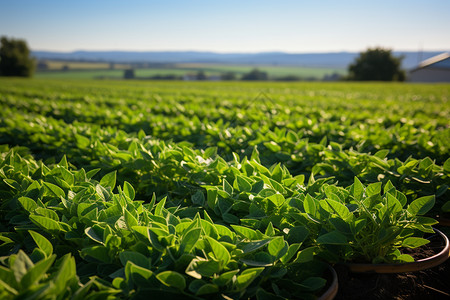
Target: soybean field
213, 190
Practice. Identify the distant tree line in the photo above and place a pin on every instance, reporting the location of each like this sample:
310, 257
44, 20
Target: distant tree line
376, 64
253, 75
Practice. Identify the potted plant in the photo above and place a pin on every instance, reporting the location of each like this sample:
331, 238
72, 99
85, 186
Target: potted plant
367, 228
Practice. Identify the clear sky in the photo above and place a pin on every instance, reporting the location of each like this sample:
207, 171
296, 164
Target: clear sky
228, 25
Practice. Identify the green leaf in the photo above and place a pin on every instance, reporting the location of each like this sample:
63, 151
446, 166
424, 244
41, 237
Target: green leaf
47, 213
36, 272
297, 234
12, 183
277, 247
225, 278
152, 202
27, 203
54, 189
277, 173
207, 289
405, 258
414, 242
139, 274
373, 189
337, 208
189, 240
92, 173
42, 243
388, 186
66, 272
446, 207
230, 218
277, 199
211, 198
224, 231
160, 206
421, 206
153, 238
227, 187
333, 238
309, 205
246, 277
109, 180
381, 154
254, 245
220, 252
393, 205
172, 279
447, 166
95, 236
82, 141
21, 265
209, 152
46, 223
198, 198
128, 190
8, 280
305, 255
200, 267
134, 257
100, 253
245, 232
357, 189
242, 184
130, 220
270, 231
272, 146
292, 250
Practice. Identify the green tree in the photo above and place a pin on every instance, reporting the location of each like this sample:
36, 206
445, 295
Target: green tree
228, 76
377, 64
201, 75
15, 59
255, 74
128, 74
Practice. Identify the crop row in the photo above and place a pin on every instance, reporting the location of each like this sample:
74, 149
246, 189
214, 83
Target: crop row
233, 120
93, 146
208, 190
193, 246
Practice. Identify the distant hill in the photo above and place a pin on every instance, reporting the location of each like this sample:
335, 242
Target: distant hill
332, 59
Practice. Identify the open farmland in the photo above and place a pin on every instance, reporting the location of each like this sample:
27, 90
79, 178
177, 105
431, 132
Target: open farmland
91, 70
209, 190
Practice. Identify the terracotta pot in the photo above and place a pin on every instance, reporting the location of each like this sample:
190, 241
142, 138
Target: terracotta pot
418, 265
331, 292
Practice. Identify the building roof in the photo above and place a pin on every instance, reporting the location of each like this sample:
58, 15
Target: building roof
441, 61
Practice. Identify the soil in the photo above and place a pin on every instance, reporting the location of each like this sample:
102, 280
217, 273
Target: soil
433, 283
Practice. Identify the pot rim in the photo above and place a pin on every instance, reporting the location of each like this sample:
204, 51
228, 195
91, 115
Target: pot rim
421, 264
332, 290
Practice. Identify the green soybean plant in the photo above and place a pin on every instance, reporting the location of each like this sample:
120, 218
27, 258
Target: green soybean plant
368, 223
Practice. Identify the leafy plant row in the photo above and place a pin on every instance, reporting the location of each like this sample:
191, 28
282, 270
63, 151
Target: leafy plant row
203, 118
90, 146
258, 232
207, 190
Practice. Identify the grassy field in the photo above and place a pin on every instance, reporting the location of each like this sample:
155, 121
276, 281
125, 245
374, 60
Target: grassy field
55, 65
84, 70
216, 190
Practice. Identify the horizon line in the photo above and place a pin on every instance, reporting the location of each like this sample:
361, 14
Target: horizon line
242, 52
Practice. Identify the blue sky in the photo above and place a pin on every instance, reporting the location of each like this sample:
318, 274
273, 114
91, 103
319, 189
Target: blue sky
228, 26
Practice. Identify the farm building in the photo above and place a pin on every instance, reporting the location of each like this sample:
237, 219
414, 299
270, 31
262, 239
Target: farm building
434, 69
